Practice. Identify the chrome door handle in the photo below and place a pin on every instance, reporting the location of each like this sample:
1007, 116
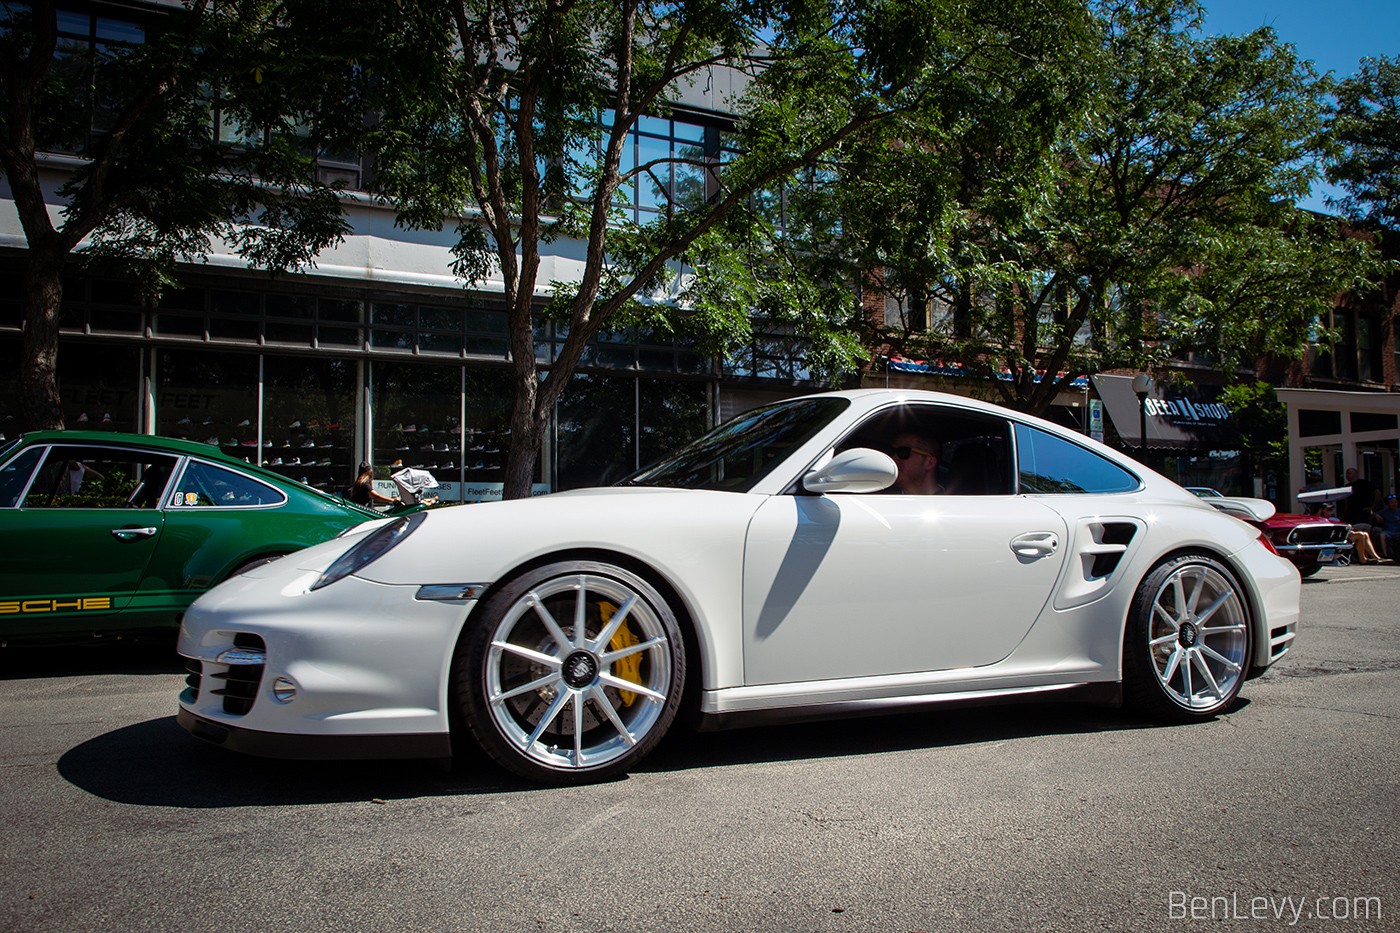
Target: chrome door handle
1036, 544
127, 534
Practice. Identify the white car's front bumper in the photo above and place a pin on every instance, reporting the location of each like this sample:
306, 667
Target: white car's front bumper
355, 669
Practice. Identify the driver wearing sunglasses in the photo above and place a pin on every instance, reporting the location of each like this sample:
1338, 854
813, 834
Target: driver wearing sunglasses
916, 458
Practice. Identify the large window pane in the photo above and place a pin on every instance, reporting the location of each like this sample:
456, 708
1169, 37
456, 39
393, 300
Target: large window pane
9, 389
417, 418
486, 434
597, 422
655, 184
233, 316
309, 410
210, 397
672, 415
99, 386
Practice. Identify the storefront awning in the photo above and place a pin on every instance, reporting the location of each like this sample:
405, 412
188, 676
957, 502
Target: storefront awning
1174, 421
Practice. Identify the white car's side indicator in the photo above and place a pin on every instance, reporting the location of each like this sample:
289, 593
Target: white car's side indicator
451, 592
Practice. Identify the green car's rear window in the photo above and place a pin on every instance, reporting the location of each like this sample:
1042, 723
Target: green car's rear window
206, 485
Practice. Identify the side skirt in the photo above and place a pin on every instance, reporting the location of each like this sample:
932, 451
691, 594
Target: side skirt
1099, 694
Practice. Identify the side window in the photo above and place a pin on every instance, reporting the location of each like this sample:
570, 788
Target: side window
940, 450
80, 477
1051, 464
15, 475
205, 485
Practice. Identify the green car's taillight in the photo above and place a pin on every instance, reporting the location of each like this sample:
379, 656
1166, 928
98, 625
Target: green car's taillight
374, 546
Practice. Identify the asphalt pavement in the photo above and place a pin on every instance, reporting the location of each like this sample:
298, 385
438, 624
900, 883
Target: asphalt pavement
1280, 815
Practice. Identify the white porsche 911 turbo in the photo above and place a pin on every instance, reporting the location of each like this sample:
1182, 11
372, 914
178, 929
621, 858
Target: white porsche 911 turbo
827, 555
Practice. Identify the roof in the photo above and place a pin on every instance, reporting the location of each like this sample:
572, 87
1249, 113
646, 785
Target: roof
154, 441
179, 446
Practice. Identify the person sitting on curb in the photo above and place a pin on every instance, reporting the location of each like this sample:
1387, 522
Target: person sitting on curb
1360, 540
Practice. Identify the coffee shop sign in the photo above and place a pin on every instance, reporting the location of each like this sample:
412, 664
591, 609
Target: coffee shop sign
1185, 411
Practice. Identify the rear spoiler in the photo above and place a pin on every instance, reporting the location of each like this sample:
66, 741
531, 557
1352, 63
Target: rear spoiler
1251, 510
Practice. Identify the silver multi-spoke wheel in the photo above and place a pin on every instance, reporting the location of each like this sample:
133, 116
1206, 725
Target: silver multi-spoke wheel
1188, 643
580, 668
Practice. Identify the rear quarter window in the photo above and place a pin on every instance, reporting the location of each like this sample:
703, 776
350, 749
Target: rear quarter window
1050, 465
204, 485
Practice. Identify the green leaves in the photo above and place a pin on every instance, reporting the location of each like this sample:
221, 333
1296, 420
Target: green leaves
1131, 197
1365, 125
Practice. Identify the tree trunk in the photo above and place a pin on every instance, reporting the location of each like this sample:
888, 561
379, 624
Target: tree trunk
526, 432
526, 426
38, 377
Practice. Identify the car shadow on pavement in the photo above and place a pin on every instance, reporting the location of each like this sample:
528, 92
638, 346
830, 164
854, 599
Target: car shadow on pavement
894, 732
156, 763
155, 655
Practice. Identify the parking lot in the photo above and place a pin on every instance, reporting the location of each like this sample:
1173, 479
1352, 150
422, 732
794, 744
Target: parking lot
1282, 814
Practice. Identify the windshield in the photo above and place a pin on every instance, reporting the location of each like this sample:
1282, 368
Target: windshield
736, 455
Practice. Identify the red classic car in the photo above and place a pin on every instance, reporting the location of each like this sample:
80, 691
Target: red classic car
1309, 541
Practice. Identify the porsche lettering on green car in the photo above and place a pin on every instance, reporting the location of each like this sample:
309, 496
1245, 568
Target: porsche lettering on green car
103, 532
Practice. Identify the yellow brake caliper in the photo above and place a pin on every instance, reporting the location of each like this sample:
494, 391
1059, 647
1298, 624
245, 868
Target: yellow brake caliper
630, 667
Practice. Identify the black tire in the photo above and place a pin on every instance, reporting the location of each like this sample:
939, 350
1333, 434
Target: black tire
550, 703
1310, 569
248, 565
1188, 642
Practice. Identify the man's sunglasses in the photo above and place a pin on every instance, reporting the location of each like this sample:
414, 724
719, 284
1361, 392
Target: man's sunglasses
904, 452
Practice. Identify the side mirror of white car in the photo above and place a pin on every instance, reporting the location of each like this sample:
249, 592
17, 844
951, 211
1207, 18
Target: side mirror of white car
859, 469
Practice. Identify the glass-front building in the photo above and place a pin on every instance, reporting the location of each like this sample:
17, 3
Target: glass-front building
380, 354
309, 377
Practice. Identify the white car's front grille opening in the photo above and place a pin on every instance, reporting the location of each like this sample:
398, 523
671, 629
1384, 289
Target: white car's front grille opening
1279, 640
195, 675
241, 681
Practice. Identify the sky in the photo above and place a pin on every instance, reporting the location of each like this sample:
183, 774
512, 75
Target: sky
1335, 35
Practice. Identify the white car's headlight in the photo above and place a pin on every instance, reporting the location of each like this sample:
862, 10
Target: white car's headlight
375, 545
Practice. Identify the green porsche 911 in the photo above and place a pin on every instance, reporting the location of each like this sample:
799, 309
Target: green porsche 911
104, 532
